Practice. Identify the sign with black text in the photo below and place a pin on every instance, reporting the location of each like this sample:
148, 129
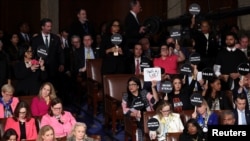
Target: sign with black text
207, 73
186, 69
196, 99
194, 9
153, 124
166, 87
195, 58
42, 51
151, 74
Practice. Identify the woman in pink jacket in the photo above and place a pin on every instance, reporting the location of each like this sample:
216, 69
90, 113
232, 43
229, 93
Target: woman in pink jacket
40, 103
62, 121
8, 103
22, 122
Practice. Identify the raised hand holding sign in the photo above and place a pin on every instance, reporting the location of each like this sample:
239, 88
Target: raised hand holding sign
194, 9
195, 58
116, 39
153, 124
42, 52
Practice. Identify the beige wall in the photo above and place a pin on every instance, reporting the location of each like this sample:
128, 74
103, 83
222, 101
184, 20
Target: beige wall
244, 21
50, 9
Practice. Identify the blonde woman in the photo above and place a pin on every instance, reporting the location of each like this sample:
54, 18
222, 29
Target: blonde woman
46, 133
204, 116
8, 102
78, 133
40, 103
169, 122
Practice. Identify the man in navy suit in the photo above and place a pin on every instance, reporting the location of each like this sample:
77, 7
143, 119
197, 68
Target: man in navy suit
133, 30
242, 115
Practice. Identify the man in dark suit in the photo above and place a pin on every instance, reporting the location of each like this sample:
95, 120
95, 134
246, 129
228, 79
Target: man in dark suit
54, 61
205, 44
133, 30
137, 62
242, 115
24, 35
81, 26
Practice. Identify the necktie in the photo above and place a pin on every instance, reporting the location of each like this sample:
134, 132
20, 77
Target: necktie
243, 118
26, 38
137, 69
66, 44
85, 27
88, 54
46, 42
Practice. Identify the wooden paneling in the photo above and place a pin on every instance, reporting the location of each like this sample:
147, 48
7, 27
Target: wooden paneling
12, 12
215, 6
106, 10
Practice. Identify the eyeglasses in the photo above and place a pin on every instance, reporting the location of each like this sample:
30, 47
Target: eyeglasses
166, 111
22, 112
132, 85
59, 108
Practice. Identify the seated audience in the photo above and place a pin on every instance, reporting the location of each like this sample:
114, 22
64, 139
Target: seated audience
78, 133
8, 103
10, 135
22, 122
62, 121
227, 117
46, 133
192, 132
40, 103
169, 122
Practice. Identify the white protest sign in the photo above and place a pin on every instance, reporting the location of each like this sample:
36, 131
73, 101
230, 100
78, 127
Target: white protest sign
152, 74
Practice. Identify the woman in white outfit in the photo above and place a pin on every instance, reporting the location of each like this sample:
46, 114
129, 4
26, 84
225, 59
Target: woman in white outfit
169, 122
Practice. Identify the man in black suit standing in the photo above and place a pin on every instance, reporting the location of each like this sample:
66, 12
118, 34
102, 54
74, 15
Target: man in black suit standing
133, 31
24, 35
54, 61
81, 26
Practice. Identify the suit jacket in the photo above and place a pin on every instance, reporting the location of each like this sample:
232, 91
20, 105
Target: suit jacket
207, 55
22, 40
55, 53
132, 28
247, 114
61, 130
30, 128
13, 106
76, 28
145, 63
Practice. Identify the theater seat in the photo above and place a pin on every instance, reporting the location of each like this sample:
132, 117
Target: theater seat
173, 136
114, 86
94, 83
146, 116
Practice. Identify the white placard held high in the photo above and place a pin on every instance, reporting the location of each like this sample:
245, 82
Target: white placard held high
152, 74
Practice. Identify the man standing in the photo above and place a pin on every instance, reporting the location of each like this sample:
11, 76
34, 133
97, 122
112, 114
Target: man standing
81, 26
54, 60
133, 30
228, 60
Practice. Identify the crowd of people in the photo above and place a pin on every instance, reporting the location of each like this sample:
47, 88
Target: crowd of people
52, 67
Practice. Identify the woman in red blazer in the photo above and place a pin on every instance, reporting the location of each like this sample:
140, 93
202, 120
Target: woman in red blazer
22, 122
